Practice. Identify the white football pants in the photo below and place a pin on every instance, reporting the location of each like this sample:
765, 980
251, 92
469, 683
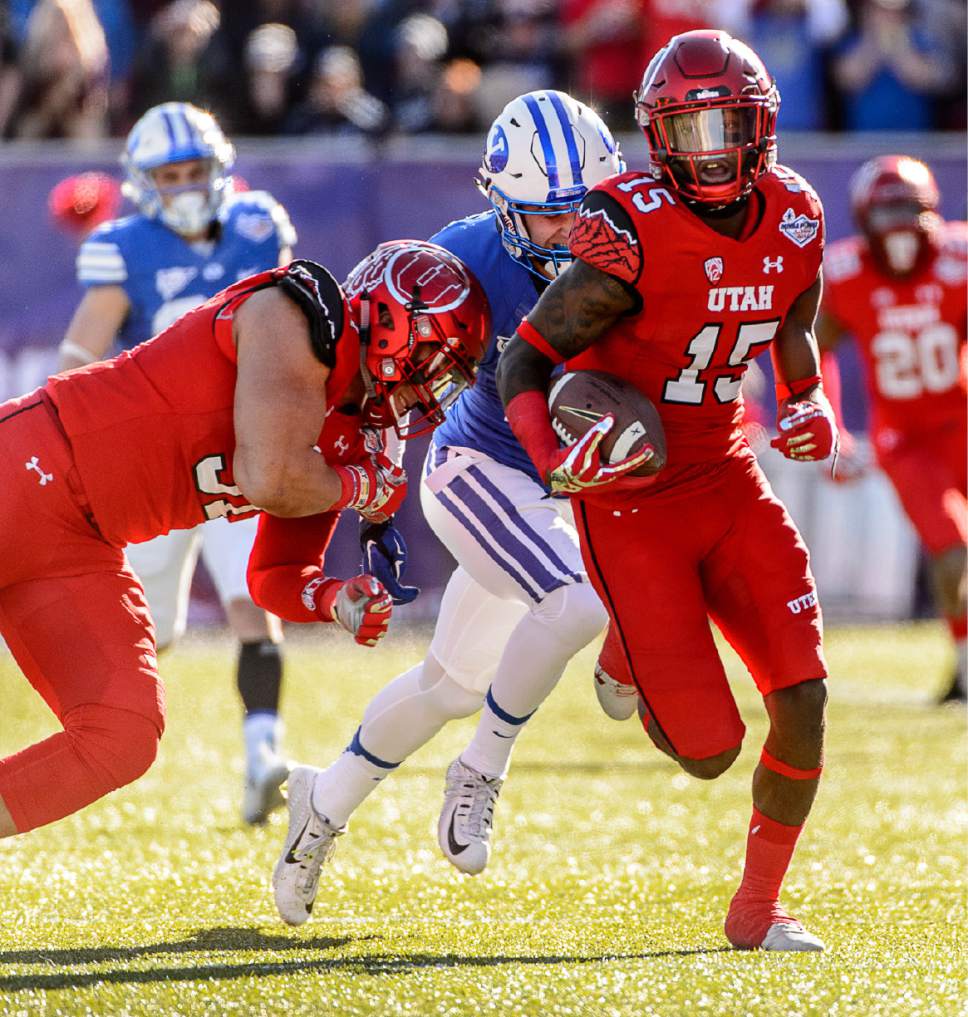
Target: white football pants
165, 565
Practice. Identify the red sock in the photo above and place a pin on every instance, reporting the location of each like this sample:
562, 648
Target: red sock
755, 905
958, 626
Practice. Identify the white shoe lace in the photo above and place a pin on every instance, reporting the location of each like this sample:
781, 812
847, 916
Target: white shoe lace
314, 851
476, 796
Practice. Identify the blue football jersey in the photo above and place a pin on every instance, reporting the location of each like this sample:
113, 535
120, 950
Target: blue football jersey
164, 275
476, 420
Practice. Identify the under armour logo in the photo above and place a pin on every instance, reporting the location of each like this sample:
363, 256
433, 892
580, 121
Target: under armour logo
776, 264
34, 465
341, 445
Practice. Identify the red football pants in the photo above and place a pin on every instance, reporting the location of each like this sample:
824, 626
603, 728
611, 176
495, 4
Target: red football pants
718, 546
76, 621
930, 479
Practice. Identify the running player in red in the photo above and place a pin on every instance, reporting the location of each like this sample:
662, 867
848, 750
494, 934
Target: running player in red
899, 289
680, 277
268, 398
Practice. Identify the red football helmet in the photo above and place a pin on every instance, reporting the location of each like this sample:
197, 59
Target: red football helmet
708, 107
80, 203
895, 199
424, 326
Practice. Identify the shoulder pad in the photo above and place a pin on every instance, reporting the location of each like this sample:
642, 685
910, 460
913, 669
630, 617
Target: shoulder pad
783, 179
842, 260
256, 215
954, 240
319, 297
605, 236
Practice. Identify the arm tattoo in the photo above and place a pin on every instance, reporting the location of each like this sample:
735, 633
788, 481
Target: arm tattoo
573, 312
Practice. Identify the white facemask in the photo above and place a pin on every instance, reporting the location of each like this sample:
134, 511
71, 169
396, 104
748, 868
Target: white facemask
189, 212
901, 249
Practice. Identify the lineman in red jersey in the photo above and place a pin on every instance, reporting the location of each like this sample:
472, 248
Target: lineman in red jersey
899, 289
679, 279
270, 397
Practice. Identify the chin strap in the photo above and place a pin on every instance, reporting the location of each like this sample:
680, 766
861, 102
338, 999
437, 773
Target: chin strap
365, 337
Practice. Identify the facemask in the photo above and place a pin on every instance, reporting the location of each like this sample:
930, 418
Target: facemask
901, 249
188, 213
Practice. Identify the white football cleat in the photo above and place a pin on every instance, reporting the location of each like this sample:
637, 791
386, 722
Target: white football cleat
262, 795
790, 936
616, 698
464, 827
310, 842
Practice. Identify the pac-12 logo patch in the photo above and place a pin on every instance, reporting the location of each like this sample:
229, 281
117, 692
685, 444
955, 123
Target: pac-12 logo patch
799, 228
714, 269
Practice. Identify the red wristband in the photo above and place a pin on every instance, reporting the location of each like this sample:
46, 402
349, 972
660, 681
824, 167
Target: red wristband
534, 338
527, 413
792, 389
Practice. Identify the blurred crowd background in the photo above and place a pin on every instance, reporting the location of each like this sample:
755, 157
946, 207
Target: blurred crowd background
89, 68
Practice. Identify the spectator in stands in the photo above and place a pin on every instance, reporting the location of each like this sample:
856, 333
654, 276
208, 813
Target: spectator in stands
421, 42
793, 37
171, 67
604, 40
337, 101
64, 67
666, 18
270, 58
455, 102
9, 70
890, 69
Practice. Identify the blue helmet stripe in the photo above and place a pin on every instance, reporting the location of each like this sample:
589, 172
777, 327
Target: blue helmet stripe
547, 148
170, 128
569, 134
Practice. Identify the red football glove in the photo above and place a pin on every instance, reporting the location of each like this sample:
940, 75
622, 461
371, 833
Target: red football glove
375, 487
577, 468
361, 605
808, 431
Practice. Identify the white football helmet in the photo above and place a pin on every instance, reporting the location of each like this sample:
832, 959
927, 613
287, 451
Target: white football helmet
542, 154
177, 132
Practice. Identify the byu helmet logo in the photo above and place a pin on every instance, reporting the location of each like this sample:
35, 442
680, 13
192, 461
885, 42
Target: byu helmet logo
497, 150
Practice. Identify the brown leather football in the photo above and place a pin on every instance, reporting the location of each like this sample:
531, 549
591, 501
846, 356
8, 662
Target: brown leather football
577, 399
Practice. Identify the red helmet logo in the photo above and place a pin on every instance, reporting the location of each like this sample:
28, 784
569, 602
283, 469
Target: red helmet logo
708, 107
424, 326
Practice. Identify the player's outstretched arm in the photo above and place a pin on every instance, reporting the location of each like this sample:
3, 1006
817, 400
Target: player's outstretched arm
91, 332
805, 421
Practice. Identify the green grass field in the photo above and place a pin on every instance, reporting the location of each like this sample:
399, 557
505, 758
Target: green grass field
606, 892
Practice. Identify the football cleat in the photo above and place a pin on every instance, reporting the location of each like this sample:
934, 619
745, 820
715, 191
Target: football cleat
754, 925
791, 936
262, 795
464, 827
955, 690
616, 698
310, 842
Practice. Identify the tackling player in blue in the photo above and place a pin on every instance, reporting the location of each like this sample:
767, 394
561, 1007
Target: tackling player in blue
191, 237
519, 602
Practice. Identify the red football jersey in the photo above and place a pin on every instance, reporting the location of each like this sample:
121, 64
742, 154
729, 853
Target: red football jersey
152, 430
910, 334
709, 303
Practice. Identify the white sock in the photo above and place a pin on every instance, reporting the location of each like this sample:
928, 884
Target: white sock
262, 733
401, 717
536, 654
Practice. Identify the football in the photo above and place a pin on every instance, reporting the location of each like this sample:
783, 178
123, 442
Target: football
577, 399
